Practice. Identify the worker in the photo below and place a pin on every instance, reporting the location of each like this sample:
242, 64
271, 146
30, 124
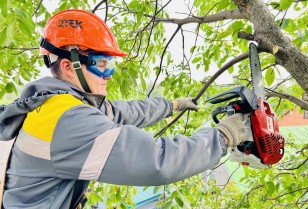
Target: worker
67, 133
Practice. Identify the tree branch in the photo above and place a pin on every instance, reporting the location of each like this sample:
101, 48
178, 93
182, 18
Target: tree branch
205, 86
227, 14
271, 93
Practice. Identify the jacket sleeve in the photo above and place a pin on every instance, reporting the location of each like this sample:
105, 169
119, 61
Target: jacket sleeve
140, 113
88, 146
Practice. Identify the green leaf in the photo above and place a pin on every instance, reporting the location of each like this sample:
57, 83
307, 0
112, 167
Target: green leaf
123, 206
237, 25
143, 83
132, 79
270, 188
285, 23
224, 34
285, 4
223, 4
26, 75
196, 59
156, 189
133, 4
167, 205
10, 87
270, 76
26, 26
2, 93
21, 13
179, 202
63, 6
231, 69
150, 49
192, 49
4, 7
11, 61
139, 16
3, 38
10, 31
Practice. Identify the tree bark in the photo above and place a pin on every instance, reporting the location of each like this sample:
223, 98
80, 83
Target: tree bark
268, 35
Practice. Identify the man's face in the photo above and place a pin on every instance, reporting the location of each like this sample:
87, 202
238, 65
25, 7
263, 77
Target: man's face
97, 84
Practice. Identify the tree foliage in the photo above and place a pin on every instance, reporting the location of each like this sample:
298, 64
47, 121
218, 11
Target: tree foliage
210, 36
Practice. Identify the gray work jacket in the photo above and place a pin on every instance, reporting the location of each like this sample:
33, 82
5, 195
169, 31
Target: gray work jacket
66, 138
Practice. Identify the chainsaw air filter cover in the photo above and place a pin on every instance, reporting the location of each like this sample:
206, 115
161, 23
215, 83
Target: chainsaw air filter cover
269, 142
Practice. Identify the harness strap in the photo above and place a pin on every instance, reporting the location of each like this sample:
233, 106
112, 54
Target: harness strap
82, 202
4, 174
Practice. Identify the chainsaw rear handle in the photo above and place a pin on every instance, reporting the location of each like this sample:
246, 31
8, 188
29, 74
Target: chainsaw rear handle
225, 109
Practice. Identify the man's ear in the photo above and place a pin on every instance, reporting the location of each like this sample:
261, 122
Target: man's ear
67, 68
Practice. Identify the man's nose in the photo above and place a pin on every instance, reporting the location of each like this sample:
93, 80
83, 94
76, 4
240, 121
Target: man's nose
107, 78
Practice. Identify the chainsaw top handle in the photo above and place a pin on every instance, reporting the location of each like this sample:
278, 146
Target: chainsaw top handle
248, 102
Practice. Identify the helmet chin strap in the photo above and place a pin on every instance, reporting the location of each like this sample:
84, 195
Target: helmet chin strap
77, 66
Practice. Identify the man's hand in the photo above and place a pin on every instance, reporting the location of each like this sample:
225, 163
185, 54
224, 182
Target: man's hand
233, 129
183, 104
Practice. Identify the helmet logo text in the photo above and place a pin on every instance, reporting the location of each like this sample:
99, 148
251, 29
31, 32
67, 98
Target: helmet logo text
64, 23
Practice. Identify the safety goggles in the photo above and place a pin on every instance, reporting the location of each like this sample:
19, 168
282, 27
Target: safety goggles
100, 64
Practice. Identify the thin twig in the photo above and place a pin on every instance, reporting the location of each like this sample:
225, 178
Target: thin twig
248, 193
230, 177
106, 11
23, 49
284, 15
295, 168
286, 193
37, 7
153, 25
162, 57
98, 5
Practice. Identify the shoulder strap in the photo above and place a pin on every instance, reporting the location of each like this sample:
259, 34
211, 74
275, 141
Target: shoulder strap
3, 173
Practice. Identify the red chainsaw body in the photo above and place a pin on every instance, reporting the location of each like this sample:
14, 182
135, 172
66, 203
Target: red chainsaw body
269, 142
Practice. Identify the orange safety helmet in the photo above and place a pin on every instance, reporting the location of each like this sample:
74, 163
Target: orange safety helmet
81, 28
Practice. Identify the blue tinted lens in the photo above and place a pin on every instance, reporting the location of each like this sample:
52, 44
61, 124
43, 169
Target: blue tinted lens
100, 64
108, 72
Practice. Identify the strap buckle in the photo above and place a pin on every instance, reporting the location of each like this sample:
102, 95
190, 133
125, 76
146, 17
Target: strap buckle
42, 44
76, 65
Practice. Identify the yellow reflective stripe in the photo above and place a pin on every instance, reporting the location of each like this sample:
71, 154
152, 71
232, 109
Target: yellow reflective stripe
41, 122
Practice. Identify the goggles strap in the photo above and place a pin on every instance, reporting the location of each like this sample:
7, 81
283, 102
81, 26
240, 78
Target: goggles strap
61, 52
77, 66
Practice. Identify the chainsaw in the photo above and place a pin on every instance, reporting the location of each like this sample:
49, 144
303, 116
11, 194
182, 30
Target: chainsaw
265, 145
